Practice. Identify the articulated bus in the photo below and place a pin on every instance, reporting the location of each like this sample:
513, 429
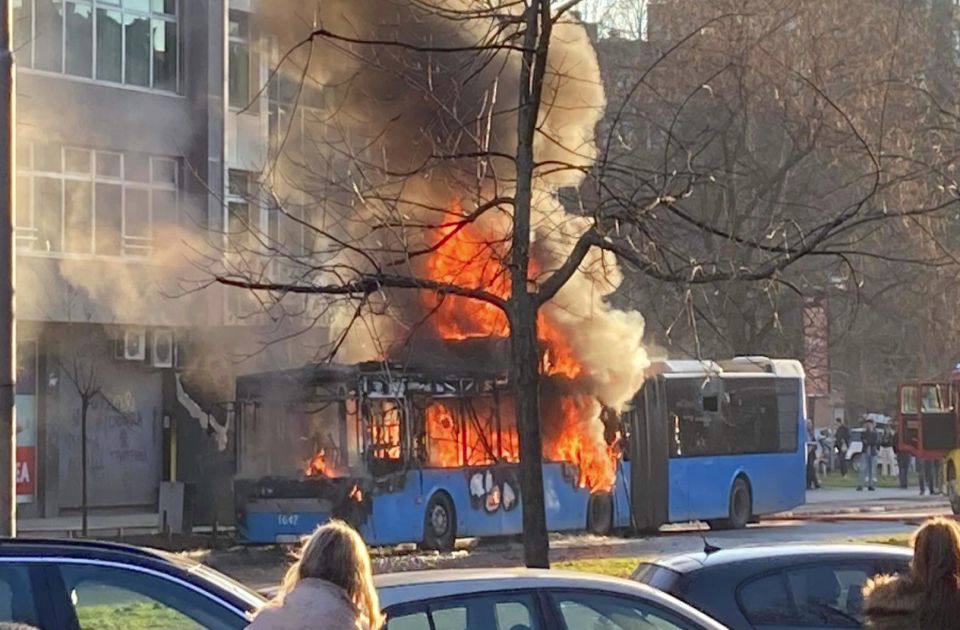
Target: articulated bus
427, 455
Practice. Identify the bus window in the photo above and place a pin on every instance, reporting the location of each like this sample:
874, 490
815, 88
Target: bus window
444, 444
463, 432
908, 399
384, 417
749, 420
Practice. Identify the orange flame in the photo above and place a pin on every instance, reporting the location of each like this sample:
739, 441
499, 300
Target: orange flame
468, 256
316, 465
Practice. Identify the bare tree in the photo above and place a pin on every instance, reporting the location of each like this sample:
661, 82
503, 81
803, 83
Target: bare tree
82, 372
420, 148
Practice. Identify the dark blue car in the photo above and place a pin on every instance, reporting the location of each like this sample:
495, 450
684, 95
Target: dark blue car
776, 587
56, 585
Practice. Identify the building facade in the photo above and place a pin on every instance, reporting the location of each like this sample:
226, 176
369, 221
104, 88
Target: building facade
134, 137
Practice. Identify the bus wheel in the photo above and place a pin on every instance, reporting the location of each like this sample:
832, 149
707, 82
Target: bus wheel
439, 523
740, 508
600, 513
952, 489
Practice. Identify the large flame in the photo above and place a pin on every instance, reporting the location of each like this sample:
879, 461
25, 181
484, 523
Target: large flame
469, 256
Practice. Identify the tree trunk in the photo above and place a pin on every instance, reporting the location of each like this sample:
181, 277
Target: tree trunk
84, 507
525, 354
525, 378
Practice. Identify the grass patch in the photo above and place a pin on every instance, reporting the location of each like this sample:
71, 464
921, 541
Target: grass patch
834, 480
615, 567
901, 540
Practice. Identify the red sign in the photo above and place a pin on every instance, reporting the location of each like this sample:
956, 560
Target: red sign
26, 470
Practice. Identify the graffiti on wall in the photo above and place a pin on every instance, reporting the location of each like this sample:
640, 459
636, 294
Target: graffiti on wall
494, 489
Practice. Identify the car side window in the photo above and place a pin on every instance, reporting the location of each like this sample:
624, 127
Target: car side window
17, 601
765, 601
102, 595
598, 611
828, 594
499, 611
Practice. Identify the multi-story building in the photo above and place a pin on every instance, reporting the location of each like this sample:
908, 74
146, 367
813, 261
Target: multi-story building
140, 126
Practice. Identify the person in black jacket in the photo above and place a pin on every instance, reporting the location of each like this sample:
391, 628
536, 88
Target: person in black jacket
842, 442
903, 462
868, 457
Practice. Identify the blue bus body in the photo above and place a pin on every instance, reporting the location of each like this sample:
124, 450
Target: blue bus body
695, 429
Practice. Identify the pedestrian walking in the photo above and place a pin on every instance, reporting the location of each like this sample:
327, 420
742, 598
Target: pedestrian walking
842, 443
330, 587
903, 462
928, 596
868, 457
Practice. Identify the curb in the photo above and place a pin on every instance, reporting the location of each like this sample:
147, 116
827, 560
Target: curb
851, 513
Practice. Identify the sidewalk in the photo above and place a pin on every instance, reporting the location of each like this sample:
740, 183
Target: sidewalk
848, 501
99, 525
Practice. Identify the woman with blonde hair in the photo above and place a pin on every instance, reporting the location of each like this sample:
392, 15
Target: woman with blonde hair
330, 586
929, 595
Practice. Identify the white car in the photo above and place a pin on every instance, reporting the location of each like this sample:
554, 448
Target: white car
525, 599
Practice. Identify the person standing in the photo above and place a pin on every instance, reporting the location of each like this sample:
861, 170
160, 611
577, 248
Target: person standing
842, 437
928, 596
926, 474
329, 588
868, 457
812, 481
903, 462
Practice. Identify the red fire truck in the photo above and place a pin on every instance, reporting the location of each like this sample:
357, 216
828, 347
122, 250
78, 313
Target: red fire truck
928, 425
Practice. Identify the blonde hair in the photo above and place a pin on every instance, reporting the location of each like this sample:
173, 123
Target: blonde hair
337, 554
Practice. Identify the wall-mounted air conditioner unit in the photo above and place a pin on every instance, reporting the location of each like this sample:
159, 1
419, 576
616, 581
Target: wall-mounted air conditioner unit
134, 345
163, 350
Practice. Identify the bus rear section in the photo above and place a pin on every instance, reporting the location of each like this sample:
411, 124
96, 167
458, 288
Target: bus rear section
717, 442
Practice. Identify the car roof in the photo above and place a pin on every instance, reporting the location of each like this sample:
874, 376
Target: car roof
128, 554
690, 562
413, 586
96, 548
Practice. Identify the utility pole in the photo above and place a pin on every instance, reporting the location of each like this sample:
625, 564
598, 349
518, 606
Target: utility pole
8, 331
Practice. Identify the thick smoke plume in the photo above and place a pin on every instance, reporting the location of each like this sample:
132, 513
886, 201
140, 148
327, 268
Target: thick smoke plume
413, 92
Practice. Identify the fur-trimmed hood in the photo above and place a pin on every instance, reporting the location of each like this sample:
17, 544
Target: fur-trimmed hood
313, 604
891, 603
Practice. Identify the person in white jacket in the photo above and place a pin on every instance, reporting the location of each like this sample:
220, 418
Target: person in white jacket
330, 587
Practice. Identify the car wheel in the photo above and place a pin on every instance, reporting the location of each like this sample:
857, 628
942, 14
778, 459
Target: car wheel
439, 523
952, 489
600, 514
740, 507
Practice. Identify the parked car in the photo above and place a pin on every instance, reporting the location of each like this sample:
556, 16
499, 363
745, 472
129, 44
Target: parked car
785, 586
521, 599
73, 585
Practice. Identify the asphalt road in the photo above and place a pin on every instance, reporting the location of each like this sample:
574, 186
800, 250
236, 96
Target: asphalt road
264, 568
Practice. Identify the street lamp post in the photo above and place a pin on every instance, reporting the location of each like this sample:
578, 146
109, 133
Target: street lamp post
8, 352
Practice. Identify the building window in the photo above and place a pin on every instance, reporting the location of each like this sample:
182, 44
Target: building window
81, 201
242, 212
131, 42
242, 65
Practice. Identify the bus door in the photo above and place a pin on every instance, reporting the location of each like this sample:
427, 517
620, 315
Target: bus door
649, 456
938, 426
908, 423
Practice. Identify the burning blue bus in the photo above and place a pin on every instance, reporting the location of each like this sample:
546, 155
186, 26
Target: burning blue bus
426, 453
